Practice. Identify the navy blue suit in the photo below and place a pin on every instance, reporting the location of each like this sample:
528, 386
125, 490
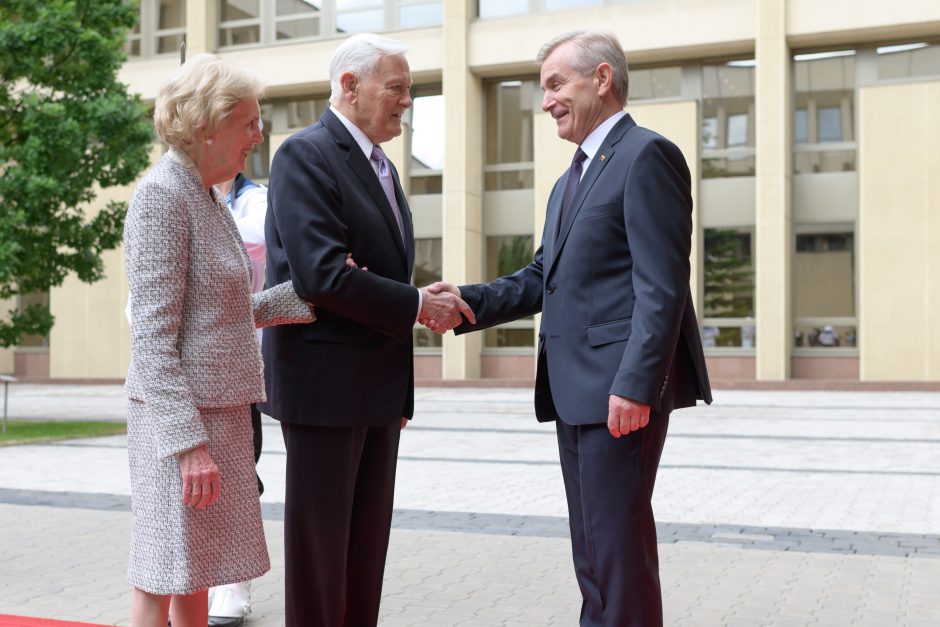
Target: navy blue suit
341, 384
612, 283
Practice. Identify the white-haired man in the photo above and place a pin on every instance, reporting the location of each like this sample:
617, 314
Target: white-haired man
343, 388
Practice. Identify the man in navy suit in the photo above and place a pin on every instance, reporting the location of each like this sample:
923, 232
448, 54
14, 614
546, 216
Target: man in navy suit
619, 345
343, 386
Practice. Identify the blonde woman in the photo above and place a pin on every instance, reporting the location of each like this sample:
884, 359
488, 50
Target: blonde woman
196, 367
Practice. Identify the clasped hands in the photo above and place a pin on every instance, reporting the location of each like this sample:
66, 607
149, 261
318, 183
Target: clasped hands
442, 308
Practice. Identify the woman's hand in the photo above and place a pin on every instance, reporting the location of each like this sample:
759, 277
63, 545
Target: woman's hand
200, 476
351, 263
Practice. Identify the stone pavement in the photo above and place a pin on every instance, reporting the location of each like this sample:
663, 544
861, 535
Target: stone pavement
774, 508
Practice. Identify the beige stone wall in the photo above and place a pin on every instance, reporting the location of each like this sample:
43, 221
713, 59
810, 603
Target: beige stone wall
899, 232
91, 336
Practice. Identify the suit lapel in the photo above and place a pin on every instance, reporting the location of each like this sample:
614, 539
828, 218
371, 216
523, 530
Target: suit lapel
370, 181
603, 156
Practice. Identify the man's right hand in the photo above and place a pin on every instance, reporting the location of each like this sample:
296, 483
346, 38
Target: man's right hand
442, 307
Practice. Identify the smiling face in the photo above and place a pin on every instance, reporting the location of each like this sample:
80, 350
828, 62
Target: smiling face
578, 103
376, 105
233, 141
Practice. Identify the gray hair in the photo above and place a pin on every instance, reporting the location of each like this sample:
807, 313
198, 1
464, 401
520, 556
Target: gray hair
594, 48
201, 93
361, 55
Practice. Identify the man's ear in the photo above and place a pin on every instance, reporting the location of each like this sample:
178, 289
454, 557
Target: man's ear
603, 79
350, 84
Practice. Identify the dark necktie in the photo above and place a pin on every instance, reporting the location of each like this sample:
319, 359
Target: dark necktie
571, 187
388, 185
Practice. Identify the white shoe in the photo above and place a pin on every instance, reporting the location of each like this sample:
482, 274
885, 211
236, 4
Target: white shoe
229, 604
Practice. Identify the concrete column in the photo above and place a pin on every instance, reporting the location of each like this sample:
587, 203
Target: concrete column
773, 221
201, 27
463, 180
899, 232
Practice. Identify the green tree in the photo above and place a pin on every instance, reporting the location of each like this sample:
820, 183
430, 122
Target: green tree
514, 255
729, 278
67, 128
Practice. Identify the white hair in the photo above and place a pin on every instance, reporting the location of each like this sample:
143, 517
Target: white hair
200, 94
361, 55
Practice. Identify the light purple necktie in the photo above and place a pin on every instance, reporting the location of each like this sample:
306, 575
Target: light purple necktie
388, 185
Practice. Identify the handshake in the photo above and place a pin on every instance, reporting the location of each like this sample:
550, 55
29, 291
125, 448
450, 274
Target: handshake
442, 307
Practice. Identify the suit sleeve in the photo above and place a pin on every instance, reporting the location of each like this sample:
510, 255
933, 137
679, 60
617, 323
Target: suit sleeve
658, 217
505, 299
156, 249
307, 208
280, 305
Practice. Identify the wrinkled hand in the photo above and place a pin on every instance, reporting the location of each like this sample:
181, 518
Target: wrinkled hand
625, 416
200, 478
351, 263
442, 307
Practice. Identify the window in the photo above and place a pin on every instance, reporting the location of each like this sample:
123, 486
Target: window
418, 13
427, 146
258, 165
910, 60
801, 126
509, 108
504, 255
503, 8
728, 319
428, 264
245, 22
359, 16
728, 119
161, 28
661, 82
824, 289
303, 112
823, 124
296, 19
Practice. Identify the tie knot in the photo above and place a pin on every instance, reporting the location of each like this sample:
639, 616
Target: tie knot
377, 153
579, 157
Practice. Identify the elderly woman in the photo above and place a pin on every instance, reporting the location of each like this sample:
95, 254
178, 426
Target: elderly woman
196, 367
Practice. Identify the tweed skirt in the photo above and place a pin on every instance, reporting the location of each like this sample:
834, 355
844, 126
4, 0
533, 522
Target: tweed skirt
176, 549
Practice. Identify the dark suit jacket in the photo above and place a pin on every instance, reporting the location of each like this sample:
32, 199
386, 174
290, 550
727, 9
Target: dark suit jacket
353, 365
617, 314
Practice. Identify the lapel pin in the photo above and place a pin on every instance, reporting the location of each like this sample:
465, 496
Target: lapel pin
602, 157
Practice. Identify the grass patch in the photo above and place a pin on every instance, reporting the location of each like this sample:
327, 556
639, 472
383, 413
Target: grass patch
31, 431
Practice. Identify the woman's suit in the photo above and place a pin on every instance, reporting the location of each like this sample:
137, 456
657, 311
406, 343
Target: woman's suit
195, 369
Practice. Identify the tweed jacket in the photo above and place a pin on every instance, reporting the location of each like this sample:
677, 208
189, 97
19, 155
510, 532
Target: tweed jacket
193, 315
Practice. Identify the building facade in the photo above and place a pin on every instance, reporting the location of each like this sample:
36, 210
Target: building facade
809, 128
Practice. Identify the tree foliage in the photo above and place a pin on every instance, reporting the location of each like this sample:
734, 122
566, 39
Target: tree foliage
729, 276
67, 128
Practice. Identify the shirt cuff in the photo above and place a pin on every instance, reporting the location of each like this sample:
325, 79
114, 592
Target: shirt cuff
420, 304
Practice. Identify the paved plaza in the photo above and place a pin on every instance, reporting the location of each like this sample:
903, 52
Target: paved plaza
774, 508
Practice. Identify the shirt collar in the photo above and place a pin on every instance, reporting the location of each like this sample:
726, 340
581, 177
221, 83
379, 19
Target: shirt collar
592, 143
364, 143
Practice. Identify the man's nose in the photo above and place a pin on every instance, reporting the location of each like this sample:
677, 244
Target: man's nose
547, 101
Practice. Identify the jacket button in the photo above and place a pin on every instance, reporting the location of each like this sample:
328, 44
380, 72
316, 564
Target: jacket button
550, 288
